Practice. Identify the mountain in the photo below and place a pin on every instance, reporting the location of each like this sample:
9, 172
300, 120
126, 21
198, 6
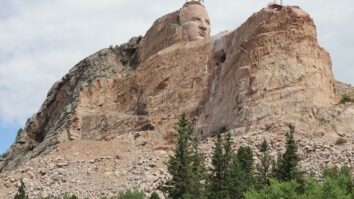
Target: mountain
108, 125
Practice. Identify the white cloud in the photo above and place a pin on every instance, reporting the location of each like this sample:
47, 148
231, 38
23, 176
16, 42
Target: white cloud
41, 40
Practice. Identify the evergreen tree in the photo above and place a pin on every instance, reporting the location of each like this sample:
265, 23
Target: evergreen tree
245, 158
186, 165
220, 171
264, 167
242, 178
286, 167
235, 186
21, 192
228, 158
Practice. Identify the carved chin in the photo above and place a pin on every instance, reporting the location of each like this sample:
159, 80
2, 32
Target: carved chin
196, 36
203, 35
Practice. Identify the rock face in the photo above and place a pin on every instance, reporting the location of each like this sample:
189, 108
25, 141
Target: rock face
53, 121
272, 70
114, 113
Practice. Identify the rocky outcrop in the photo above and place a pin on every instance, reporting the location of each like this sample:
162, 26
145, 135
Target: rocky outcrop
343, 89
169, 30
114, 113
141, 86
273, 70
44, 130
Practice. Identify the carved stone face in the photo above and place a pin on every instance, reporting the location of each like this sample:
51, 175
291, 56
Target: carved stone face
195, 21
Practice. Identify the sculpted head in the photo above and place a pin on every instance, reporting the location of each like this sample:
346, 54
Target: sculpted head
195, 21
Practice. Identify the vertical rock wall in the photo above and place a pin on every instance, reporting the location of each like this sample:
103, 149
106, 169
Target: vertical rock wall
274, 70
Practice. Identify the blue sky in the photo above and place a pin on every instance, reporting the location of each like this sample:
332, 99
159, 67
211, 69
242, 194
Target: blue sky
8, 134
42, 39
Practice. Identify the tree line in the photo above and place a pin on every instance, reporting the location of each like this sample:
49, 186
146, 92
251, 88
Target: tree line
234, 174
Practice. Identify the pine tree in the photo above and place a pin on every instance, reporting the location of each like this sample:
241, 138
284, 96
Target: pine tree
186, 165
264, 167
245, 158
286, 168
228, 158
235, 185
219, 176
21, 192
242, 173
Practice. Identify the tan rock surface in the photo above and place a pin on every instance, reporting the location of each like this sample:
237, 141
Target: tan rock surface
274, 70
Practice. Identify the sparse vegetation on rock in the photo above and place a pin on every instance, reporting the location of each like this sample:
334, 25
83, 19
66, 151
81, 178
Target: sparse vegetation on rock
345, 99
131, 195
21, 192
66, 196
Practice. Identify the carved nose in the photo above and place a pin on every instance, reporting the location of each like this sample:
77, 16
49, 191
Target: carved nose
203, 25
202, 28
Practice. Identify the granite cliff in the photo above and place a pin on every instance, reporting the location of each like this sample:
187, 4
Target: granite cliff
108, 124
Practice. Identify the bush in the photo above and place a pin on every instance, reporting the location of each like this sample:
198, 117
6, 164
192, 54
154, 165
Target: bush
337, 184
276, 190
66, 196
131, 195
123, 195
154, 196
21, 192
345, 99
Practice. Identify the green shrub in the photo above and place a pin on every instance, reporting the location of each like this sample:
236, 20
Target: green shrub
154, 196
21, 192
337, 184
345, 99
276, 190
131, 195
66, 196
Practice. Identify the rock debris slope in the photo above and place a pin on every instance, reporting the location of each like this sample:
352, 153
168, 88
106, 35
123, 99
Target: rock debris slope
108, 125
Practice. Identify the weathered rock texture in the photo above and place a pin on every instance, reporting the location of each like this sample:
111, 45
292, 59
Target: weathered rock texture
111, 119
272, 70
53, 121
